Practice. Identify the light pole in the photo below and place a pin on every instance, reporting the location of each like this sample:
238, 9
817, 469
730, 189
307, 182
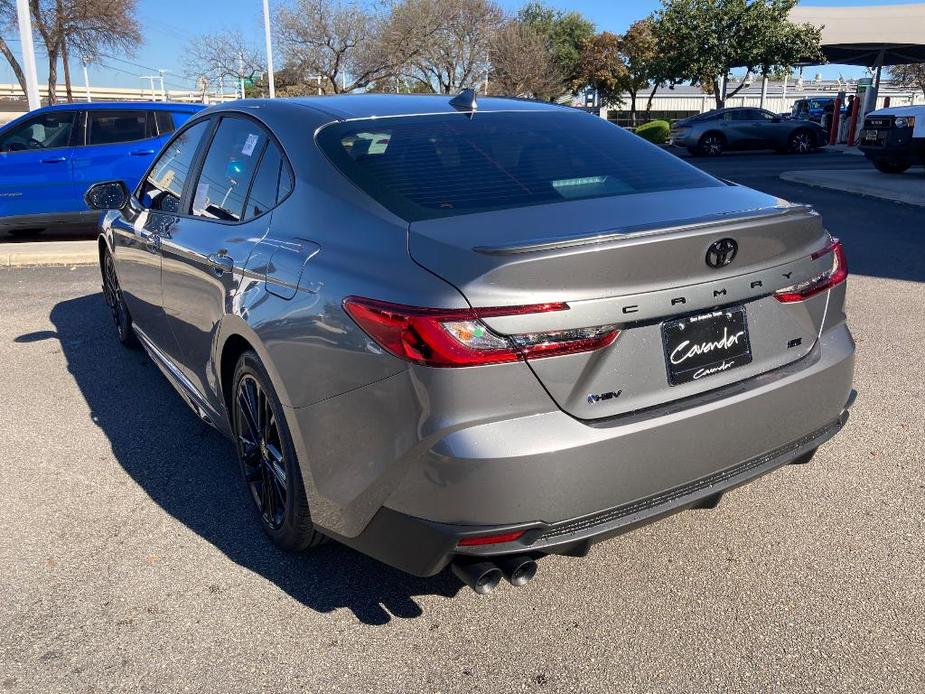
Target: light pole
24, 18
266, 31
241, 72
86, 78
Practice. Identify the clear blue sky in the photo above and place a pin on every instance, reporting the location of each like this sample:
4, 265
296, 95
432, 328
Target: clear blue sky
168, 25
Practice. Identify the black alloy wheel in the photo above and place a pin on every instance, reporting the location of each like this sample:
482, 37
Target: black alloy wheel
261, 452
117, 308
267, 457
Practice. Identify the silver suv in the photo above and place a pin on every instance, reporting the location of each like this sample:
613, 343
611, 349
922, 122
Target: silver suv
448, 332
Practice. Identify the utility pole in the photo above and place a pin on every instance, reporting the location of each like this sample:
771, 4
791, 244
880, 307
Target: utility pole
83, 60
266, 31
241, 72
24, 18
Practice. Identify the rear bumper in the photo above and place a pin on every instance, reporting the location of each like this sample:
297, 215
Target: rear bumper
570, 484
423, 548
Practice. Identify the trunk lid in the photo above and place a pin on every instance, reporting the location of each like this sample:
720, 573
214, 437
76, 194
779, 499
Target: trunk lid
635, 261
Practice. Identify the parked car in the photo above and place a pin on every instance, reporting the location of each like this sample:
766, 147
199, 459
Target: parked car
818, 109
894, 138
49, 157
444, 332
710, 134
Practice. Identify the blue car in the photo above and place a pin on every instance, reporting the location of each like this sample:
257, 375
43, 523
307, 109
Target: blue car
49, 157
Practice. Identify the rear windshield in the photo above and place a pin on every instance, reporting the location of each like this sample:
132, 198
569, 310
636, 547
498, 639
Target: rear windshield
422, 167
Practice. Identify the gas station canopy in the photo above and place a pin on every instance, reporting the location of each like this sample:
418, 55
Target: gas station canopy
870, 36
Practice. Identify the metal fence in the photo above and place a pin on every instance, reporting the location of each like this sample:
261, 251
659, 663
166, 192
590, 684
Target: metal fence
672, 106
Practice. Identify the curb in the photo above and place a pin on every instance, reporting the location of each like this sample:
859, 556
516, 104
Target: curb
49, 254
843, 184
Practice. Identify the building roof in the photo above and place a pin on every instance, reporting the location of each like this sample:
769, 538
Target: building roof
857, 35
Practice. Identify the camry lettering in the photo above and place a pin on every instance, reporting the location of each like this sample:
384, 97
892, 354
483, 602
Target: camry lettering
686, 350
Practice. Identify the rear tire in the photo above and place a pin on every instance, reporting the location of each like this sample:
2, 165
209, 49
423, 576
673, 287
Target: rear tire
711, 145
121, 317
268, 460
801, 142
890, 167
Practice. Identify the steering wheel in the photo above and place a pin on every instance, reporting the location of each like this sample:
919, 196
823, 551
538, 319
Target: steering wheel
34, 144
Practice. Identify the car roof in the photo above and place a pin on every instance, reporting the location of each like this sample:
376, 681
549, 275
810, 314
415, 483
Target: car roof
361, 106
123, 106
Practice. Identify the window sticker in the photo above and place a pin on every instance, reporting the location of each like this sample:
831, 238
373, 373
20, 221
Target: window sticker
201, 200
249, 144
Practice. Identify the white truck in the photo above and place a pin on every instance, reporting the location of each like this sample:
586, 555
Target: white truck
894, 138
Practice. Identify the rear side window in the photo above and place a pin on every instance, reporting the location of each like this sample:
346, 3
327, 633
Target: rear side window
163, 122
271, 184
163, 187
435, 166
107, 127
228, 170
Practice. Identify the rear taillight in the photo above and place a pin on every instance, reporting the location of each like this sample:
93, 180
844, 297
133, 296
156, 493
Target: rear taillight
836, 274
458, 337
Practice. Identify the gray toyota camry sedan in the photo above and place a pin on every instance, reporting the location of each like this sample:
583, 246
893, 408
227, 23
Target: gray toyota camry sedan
443, 331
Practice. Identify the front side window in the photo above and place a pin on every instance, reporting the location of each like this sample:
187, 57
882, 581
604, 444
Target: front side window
436, 166
47, 131
163, 187
108, 127
228, 170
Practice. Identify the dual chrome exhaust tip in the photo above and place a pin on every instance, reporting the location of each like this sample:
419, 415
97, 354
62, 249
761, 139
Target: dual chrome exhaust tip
484, 575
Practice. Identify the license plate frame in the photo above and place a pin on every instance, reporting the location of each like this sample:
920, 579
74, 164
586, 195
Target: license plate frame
706, 344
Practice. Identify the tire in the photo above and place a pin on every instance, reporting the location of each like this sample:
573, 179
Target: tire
711, 145
121, 317
267, 459
801, 142
890, 167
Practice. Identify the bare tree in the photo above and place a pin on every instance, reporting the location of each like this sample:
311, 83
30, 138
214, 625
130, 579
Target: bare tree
221, 56
523, 65
88, 26
454, 52
341, 45
7, 21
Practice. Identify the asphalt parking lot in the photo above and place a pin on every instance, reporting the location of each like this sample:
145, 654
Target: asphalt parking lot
130, 561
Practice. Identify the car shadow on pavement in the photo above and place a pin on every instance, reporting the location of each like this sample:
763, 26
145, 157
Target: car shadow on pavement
190, 471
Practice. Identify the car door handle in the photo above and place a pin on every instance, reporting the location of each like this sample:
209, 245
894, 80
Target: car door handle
142, 152
54, 160
221, 263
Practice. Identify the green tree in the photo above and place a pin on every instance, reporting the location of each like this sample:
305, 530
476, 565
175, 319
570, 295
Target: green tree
703, 40
601, 66
565, 32
911, 76
640, 53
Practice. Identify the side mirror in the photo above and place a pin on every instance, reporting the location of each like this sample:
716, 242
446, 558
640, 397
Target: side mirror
109, 195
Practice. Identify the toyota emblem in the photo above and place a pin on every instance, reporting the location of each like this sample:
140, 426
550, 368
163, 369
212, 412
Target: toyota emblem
722, 252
